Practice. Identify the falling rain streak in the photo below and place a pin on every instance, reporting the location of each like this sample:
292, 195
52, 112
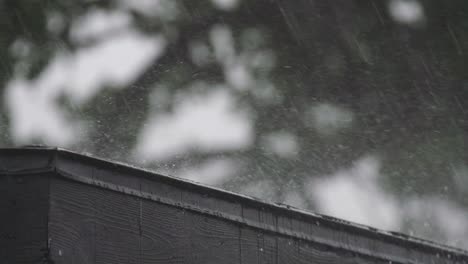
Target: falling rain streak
356, 109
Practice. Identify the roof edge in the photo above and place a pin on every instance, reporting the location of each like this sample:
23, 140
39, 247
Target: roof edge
62, 161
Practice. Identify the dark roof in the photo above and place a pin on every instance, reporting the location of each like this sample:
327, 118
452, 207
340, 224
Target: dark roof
280, 219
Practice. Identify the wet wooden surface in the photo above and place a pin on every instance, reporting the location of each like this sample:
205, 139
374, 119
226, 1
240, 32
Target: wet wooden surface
23, 218
91, 225
76, 209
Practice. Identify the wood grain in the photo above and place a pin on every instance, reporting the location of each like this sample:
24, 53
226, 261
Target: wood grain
301, 252
83, 214
117, 228
258, 247
93, 225
212, 240
72, 224
165, 239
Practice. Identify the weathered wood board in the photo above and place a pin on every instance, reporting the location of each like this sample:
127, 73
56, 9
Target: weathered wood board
58, 207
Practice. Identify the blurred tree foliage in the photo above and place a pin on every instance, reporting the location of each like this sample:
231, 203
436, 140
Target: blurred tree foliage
406, 86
